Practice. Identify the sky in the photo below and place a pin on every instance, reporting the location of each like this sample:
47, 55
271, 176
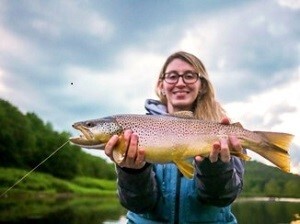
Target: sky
68, 61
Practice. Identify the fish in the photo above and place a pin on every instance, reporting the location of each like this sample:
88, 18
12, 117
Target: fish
177, 138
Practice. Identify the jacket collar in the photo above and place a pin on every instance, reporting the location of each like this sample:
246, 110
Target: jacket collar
155, 107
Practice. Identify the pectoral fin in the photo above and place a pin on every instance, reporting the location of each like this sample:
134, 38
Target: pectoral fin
185, 167
241, 155
119, 152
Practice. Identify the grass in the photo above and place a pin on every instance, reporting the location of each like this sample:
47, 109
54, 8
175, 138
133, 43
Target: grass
45, 184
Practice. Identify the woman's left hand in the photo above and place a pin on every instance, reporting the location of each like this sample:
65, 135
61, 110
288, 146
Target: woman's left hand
221, 149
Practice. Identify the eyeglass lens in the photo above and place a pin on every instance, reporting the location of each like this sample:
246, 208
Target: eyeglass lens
188, 77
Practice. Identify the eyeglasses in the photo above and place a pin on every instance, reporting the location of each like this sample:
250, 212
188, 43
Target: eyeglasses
188, 77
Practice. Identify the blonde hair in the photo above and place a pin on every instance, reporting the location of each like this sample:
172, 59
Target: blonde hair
205, 106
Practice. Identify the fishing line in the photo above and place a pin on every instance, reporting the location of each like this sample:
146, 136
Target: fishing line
22, 178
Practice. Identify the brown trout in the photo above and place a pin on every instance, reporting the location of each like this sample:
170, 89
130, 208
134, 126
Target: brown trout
178, 137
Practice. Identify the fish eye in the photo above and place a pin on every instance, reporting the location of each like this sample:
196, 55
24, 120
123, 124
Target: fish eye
90, 124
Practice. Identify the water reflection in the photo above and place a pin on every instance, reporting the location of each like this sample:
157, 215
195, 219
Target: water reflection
266, 210
107, 210
67, 210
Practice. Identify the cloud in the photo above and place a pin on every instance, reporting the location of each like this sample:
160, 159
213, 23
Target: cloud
113, 51
78, 21
3, 88
276, 109
13, 48
275, 103
244, 51
122, 89
292, 4
50, 20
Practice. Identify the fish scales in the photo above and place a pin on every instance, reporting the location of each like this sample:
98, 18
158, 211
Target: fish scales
180, 129
191, 135
177, 138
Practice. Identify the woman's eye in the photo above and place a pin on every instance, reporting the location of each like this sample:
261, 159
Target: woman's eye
189, 76
173, 77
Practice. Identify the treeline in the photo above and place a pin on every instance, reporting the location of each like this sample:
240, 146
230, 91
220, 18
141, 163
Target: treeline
25, 141
266, 181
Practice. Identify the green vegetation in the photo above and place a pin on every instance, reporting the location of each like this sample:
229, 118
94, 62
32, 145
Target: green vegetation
46, 184
267, 181
25, 141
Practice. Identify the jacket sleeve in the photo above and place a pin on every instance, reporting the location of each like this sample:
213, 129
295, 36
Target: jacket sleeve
219, 183
137, 189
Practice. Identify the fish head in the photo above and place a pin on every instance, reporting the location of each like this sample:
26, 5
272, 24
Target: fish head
96, 133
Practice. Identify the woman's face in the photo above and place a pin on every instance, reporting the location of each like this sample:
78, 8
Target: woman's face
180, 96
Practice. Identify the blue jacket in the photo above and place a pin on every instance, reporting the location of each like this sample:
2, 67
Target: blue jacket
158, 193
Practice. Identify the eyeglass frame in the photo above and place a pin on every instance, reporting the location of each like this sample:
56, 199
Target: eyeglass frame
182, 76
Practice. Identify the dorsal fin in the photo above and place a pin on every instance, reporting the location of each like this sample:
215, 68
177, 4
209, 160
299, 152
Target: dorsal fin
237, 124
183, 114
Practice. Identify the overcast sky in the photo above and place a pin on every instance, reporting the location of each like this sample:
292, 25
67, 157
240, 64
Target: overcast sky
68, 61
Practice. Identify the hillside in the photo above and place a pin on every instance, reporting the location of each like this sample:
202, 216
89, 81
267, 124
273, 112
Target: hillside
263, 180
25, 141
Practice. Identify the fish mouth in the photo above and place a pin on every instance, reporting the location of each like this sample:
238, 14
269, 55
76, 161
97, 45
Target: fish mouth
86, 139
87, 134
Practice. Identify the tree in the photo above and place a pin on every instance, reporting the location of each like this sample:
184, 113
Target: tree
15, 136
25, 141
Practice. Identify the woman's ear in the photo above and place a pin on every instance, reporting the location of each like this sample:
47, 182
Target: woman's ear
160, 90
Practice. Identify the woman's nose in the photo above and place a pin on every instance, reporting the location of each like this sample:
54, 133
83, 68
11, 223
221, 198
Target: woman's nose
180, 82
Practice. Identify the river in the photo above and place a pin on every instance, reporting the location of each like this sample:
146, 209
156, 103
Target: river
109, 211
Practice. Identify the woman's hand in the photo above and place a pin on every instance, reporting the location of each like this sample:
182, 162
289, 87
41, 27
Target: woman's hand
135, 157
221, 149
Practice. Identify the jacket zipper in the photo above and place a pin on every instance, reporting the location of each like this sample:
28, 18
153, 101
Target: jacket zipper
177, 199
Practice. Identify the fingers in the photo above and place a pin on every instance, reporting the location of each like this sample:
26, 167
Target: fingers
110, 146
225, 120
132, 148
220, 151
224, 151
140, 159
135, 157
235, 144
199, 159
214, 154
113, 141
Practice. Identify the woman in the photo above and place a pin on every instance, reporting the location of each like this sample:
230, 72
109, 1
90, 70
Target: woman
158, 193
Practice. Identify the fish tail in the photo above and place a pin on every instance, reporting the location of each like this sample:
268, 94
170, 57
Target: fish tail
275, 148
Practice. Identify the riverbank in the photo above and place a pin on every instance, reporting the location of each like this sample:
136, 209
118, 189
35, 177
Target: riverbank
39, 185
266, 199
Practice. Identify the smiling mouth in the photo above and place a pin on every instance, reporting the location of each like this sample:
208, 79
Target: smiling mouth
181, 93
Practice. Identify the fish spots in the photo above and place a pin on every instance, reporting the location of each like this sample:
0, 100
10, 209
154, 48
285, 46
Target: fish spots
112, 127
155, 129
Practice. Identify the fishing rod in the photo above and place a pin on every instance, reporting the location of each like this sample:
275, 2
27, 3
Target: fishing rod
28, 173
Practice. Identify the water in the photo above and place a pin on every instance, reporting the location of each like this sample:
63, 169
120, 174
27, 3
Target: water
60, 210
109, 211
266, 210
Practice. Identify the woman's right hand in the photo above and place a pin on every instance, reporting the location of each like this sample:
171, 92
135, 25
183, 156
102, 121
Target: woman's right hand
221, 149
135, 156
